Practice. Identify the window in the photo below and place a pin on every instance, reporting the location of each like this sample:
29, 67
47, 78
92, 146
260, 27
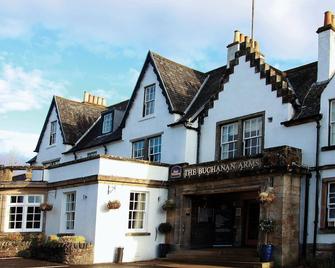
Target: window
53, 128
229, 140
137, 211
148, 149
70, 210
138, 149
155, 149
24, 213
91, 154
331, 203
107, 125
332, 122
240, 137
252, 136
149, 100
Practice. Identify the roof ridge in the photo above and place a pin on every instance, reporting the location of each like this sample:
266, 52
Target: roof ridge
300, 67
182, 65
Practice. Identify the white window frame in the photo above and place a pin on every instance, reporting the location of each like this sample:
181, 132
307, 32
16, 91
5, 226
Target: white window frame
132, 210
107, 125
225, 154
149, 100
137, 151
53, 132
259, 137
332, 123
155, 150
330, 205
25, 205
68, 212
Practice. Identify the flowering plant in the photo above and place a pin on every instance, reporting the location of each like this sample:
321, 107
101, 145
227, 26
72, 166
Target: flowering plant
266, 196
115, 204
169, 204
46, 206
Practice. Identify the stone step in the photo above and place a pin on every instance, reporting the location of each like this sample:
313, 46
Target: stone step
223, 262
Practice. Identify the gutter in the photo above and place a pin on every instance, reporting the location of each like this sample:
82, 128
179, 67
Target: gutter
317, 186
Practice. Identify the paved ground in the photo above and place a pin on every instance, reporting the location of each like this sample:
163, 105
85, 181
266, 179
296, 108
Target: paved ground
28, 263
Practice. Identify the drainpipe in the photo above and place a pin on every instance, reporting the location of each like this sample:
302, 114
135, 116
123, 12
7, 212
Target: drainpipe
75, 155
198, 130
105, 147
305, 231
317, 186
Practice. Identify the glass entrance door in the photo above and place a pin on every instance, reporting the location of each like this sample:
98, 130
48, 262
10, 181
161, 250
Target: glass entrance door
224, 216
252, 222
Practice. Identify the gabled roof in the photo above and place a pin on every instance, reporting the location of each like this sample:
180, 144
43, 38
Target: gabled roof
74, 118
94, 137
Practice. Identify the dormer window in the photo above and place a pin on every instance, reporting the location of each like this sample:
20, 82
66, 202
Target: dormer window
332, 122
107, 125
53, 129
149, 100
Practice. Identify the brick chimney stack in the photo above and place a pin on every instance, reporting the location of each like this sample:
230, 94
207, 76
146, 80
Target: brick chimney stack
89, 98
326, 48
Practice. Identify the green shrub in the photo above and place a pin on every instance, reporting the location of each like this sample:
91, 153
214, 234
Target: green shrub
72, 239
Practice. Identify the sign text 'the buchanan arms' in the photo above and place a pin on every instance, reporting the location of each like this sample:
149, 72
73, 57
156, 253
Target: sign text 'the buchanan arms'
220, 168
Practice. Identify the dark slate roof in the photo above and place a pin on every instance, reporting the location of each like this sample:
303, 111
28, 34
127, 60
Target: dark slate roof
181, 82
94, 137
75, 118
32, 160
301, 78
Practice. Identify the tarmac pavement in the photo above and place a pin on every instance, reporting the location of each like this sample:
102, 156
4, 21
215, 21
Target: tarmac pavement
30, 263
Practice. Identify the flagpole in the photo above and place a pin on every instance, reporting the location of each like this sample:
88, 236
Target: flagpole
252, 19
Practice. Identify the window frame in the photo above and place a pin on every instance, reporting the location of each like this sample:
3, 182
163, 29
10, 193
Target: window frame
331, 123
25, 204
145, 212
53, 133
65, 219
146, 102
240, 136
104, 129
146, 150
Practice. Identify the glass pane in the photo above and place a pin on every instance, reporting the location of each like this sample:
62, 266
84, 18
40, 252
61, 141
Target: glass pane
20, 199
31, 199
29, 225
332, 213
13, 199
19, 209
37, 225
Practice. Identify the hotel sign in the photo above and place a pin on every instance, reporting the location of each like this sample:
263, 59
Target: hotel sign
217, 168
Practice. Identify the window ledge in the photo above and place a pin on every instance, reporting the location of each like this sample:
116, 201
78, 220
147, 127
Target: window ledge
328, 148
138, 234
327, 231
147, 118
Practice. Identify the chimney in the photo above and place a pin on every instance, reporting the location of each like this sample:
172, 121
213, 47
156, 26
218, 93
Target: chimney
326, 48
234, 47
89, 98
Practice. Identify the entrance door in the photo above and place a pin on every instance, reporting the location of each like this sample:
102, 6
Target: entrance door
224, 225
252, 222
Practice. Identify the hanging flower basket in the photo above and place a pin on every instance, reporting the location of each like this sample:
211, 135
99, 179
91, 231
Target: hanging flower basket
169, 205
115, 204
266, 196
165, 228
46, 207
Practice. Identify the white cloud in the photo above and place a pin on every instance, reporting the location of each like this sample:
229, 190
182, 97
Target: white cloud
16, 146
22, 90
184, 30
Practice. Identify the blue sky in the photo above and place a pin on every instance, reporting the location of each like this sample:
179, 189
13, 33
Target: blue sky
65, 47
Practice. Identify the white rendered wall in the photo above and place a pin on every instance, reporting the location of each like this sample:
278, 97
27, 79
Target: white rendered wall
86, 206
326, 55
50, 152
112, 225
245, 94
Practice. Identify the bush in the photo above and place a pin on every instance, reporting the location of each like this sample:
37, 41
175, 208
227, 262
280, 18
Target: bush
72, 239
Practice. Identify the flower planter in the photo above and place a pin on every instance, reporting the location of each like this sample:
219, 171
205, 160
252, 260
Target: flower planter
163, 250
114, 204
165, 228
266, 252
169, 205
46, 207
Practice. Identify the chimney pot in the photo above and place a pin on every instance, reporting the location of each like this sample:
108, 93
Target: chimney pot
329, 18
86, 94
237, 36
242, 38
